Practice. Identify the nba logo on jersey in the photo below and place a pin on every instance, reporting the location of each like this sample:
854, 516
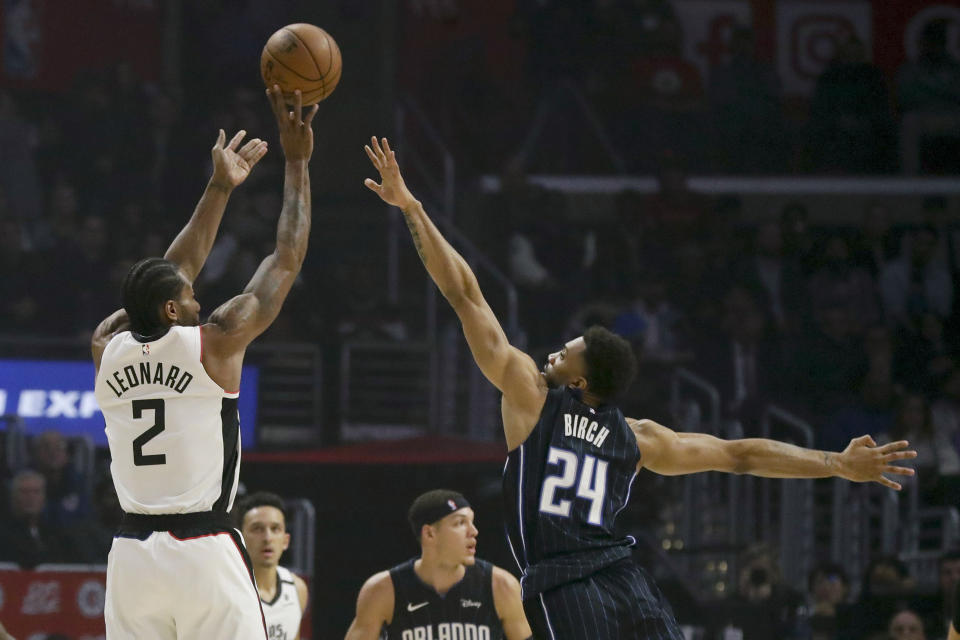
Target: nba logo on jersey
145, 349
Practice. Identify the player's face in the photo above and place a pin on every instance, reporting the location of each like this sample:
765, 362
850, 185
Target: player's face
457, 538
265, 534
566, 366
188, 309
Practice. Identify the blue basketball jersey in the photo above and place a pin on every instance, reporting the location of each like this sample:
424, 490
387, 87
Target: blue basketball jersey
563, 488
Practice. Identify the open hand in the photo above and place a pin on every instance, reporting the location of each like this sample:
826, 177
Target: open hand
230, 166
296, 136
864, 461
392, 188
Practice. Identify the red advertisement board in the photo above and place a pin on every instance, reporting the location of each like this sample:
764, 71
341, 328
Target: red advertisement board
63, 599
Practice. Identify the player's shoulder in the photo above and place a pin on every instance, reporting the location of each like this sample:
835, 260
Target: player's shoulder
302, 591
505, 584
378, 587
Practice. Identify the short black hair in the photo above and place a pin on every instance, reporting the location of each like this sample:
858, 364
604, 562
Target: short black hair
827, 569
254, 500
148, 284
610, 363
432, 506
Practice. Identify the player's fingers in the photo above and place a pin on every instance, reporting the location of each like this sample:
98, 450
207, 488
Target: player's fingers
865, 440
372, 156
249, 146
899, 455
236, 140
372, 185
375, 144
310, 114
220, 138
257, 153
386, 146
298, 106
889, 483
894, 446
900, 471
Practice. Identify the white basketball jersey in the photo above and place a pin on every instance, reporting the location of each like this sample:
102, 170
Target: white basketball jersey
174, 434
282, 614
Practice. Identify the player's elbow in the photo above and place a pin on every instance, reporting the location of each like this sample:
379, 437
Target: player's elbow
738, 457
289, 257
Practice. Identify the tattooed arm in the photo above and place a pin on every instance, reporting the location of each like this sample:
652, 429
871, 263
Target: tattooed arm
668, 452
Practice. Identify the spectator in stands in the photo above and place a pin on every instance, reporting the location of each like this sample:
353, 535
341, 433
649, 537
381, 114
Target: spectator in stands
26, 537
925, 356
932, 81
948, 570
22, 298
89, 539
913, 422
763, 607
851, 127
916, 283
66, 495
650, 320
840, 282
744, 360
18, 173
875, 245
744, 94
906, 624
829, 588
779, 276
887, 589
798, 239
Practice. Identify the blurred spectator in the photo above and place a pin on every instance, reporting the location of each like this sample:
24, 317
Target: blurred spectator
839, 282
916, 283
779, 276
932, 81
763, 607
23, 296
66, 495
875, 245
798, 241
18, 172
675, 211
622, 247
851, 125
913, 422
26, 537
89, 539
829, 588
906, 625
925, 356
650, 320
744, 96
948, 573
887, 588
743, 359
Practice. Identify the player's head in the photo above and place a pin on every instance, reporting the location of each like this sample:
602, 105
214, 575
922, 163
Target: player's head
262, 520
442, 521
599, 361
156, 295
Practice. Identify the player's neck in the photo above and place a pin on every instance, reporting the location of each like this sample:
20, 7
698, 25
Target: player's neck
267, 581
440, 576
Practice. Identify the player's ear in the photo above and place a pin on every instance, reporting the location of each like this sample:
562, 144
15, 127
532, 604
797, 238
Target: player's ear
286, 541
579, 382
170, 311
427, 533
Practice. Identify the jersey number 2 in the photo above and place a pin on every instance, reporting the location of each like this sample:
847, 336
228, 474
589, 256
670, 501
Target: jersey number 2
592, 484
159, 425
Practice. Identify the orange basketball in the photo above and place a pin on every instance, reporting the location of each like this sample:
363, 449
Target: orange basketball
301, 56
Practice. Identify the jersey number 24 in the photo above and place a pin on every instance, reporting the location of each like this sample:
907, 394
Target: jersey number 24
591, 485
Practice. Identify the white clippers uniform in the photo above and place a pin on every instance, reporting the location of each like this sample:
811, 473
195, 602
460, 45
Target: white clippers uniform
177, 569
283, 612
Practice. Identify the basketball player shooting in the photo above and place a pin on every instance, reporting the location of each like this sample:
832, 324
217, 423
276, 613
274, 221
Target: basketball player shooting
167, 387
573, 455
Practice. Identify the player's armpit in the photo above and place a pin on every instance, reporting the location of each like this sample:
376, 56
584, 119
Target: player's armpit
670, 453
509, 605
374, 608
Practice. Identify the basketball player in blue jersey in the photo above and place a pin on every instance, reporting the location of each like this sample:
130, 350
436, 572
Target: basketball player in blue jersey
167, 387
445, 594
262, 520
573, 455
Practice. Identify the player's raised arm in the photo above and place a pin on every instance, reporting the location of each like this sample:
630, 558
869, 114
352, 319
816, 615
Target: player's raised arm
238, 321
231, 166
374, 608
509, 369
668, 452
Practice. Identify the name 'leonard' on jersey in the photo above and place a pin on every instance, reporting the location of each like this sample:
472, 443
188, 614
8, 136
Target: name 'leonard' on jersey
174, 434
563, 488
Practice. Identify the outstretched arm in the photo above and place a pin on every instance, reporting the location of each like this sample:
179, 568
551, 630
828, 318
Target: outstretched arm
668, 452
238, 321
509, 369
189, 250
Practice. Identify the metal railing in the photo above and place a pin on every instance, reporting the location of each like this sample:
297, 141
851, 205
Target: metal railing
302, 526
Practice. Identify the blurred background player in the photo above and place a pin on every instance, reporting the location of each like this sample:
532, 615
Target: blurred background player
262, 520
445, 593
167, 387
573, 456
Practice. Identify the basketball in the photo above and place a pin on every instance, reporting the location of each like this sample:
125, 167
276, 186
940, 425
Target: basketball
301, 56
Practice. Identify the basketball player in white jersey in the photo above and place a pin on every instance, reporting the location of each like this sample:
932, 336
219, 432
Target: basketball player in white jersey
168, 391
262, 520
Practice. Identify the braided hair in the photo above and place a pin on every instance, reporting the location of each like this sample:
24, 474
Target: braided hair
148, 284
